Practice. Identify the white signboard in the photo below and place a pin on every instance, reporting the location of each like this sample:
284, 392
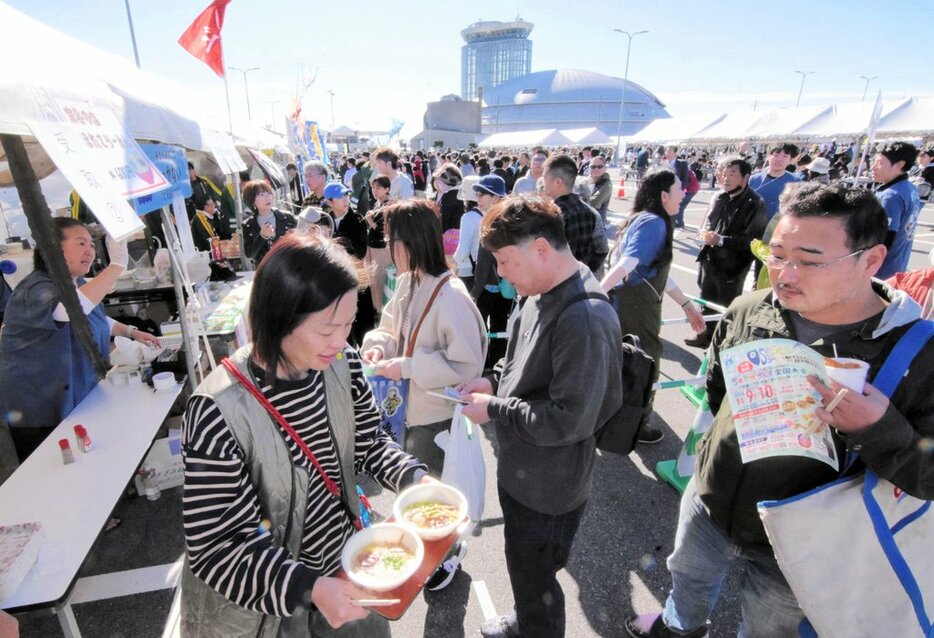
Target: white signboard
101, 160
224, 152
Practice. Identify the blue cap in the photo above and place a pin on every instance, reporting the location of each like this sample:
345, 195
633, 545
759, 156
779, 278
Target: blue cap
492, 184
335, 190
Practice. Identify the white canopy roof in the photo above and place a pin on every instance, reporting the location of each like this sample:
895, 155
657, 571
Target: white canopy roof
591, 135
674, 129
540, 137
152, 107
914, 116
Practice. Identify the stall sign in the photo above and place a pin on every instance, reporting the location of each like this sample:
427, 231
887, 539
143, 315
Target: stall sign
173, 164
97, 155
224, 152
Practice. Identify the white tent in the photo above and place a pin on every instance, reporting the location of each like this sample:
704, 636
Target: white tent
674, 129
731, 126
152, 107
914, 116
540, 137
845, 119
591, 135
784, 122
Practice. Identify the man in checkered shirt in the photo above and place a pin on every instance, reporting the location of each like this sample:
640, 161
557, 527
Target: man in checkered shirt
582, 224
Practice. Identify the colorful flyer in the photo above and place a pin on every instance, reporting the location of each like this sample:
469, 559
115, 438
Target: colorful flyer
773, 403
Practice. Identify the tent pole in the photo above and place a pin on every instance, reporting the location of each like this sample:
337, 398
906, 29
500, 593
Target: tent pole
238, 200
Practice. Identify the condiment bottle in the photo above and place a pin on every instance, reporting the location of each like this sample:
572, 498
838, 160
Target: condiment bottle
82, 439
67, 455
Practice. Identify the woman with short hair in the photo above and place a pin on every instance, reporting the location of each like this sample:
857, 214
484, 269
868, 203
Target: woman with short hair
264, 531
267, 225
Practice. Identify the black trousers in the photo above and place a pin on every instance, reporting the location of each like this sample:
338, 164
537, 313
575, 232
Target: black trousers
537, 547
494, 308
719, 288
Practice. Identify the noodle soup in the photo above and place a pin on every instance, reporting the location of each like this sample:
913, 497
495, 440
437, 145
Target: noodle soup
433, 510
382, 557
431, 514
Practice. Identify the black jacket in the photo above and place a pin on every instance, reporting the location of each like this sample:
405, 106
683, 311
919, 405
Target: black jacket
452, 209
730, 489
351, 233
739, 220
255, 245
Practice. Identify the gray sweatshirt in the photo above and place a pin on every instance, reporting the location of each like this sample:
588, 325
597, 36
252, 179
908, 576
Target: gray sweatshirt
558, 383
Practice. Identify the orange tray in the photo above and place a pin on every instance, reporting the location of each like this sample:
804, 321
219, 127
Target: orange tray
435, 552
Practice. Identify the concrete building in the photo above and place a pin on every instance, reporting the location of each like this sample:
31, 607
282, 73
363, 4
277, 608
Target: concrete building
494, 53
449, 122
568, 99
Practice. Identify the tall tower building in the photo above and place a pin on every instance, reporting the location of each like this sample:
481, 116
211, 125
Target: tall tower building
495, 52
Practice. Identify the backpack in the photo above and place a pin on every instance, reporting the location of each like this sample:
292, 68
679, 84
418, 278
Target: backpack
693, 184
618, 434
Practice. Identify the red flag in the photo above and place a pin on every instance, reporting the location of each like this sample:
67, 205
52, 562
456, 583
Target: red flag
202, 38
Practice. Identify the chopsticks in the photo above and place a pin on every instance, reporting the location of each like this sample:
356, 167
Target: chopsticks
375, 602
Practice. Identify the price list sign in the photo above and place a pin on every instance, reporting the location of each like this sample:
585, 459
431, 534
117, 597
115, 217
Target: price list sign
772, 402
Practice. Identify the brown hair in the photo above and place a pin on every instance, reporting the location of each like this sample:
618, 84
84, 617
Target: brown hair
518, 219
253, 188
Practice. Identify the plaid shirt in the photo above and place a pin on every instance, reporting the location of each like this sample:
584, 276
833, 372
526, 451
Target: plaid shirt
579, 223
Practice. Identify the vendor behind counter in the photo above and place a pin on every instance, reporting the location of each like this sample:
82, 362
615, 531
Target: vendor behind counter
44, 370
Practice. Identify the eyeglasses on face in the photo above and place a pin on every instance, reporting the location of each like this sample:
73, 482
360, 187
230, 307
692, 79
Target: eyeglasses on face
593, 166
778, 263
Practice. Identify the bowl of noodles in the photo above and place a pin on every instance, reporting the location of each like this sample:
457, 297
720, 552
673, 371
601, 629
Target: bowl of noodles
433, 510
382, 557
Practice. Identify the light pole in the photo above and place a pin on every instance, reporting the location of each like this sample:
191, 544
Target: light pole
868, 80
272, 112
129, 19
246, 87
801, 88
332, 110
622, 104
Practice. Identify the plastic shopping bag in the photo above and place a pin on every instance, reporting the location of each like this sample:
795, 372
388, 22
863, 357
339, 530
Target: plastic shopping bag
463, 464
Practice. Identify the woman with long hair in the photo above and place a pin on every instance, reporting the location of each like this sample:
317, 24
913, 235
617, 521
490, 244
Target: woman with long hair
430, 332
639, 278
267, 508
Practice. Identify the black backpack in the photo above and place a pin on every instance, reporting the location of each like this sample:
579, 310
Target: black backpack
618, 434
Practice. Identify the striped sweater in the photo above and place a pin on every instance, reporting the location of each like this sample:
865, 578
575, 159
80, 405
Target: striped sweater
228, 546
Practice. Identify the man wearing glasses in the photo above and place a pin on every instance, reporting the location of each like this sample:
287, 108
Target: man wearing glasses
827, 246
528, 185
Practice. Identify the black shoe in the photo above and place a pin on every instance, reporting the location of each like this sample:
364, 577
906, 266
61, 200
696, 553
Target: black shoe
649, 433
658, 628
699, 341
448, 569
500, 627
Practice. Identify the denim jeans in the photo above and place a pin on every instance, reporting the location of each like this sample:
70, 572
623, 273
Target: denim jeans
678, 219
537, 547
698, 564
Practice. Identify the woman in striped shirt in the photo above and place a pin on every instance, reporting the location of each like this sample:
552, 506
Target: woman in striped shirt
264, 528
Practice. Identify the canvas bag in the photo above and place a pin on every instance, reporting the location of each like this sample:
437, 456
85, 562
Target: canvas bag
463, 464
858, 552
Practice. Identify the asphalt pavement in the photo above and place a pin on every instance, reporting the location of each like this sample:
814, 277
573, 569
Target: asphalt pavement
617, 566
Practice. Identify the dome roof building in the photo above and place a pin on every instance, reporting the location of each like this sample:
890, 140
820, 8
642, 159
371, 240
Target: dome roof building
568, 99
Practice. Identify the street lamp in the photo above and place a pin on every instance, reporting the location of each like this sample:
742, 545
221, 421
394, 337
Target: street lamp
868, 80
129, 19
622, 104
332, 111
801, 88
246, 87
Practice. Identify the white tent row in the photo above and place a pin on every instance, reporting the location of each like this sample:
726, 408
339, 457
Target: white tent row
910, 116
540, 137
151, 107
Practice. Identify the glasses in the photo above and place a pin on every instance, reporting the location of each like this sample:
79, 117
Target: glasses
593, 166
539, 159
807, 266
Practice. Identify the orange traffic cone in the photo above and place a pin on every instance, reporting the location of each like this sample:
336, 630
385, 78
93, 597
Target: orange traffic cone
621, 193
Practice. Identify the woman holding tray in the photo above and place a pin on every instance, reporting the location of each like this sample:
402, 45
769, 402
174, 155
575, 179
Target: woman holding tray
272, 440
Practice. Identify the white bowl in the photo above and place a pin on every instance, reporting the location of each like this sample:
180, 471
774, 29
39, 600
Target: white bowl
382, 533
431, 492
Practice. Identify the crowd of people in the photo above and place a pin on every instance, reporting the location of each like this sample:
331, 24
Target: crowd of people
511, 284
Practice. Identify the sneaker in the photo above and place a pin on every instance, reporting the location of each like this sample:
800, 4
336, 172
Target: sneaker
448, 569
652, 626
500, 627
649, 433
699, 341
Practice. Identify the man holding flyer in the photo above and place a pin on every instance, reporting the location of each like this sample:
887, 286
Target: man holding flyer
826, 248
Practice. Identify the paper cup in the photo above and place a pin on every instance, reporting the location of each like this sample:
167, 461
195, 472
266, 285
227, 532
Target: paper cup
850, 373
163, 381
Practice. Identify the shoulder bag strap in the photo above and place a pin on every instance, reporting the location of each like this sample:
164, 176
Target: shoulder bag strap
410, 344
904, 352
275, 414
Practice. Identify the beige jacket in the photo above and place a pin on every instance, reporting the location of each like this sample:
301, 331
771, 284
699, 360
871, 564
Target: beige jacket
450, 349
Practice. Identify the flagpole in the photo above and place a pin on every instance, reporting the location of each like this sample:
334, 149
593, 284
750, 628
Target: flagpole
235, 176
870, 135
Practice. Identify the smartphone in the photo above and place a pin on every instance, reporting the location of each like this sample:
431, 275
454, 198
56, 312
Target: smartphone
449, 394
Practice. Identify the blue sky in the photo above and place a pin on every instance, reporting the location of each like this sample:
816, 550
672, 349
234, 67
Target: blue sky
385, 60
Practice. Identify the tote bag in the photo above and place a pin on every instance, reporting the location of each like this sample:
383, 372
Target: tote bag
858, 553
